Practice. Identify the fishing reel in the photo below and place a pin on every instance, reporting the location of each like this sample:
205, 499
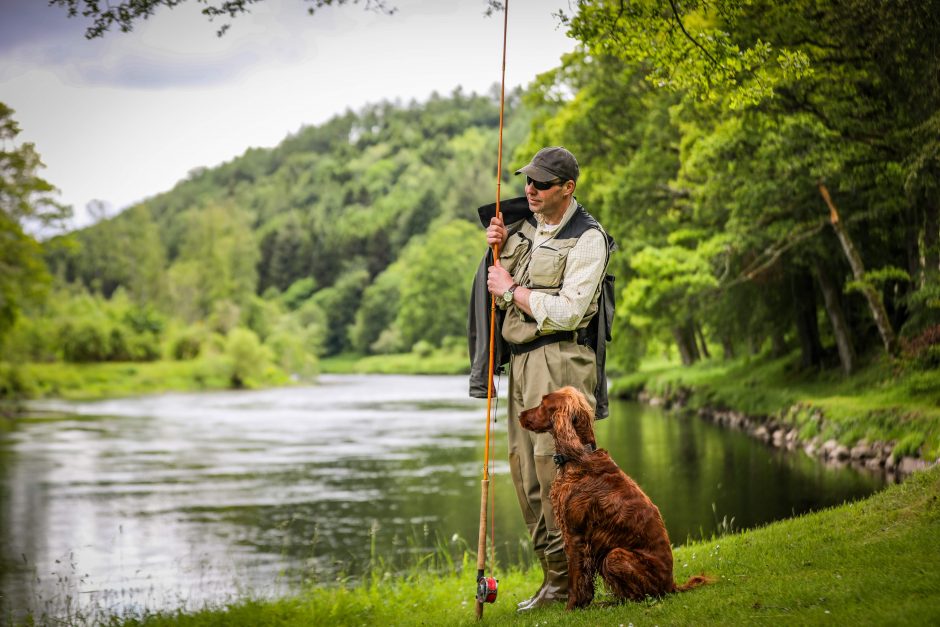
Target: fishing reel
486, 589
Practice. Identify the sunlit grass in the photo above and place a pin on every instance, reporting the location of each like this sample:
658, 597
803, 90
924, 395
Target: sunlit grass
110, 379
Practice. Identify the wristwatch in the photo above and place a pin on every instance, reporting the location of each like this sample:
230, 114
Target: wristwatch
507, 295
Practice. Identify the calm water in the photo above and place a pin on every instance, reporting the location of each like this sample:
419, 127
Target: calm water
183, 500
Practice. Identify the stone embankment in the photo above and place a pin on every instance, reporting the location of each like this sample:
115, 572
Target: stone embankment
871, 456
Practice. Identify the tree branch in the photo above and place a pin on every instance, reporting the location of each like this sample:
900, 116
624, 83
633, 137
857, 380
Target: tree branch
675, 12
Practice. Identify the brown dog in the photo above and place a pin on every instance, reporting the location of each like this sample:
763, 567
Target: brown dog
609, 525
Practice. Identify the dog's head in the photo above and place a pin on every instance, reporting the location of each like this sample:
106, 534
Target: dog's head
566, 414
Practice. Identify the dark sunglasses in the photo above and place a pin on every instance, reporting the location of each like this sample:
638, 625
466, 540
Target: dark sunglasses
542, 185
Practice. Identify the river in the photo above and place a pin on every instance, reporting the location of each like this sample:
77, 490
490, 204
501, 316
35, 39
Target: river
188, 500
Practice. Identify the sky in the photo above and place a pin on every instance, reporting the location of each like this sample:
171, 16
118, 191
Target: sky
125, 117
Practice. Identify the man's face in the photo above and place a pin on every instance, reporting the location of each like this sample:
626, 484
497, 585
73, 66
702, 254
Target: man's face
550, 203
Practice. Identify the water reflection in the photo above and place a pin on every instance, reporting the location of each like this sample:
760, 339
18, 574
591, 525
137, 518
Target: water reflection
188, 499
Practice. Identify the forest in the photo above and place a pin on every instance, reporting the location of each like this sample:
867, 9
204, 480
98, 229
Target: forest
769, 171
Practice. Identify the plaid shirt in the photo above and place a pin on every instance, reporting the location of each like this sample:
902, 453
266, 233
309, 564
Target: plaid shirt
584, 270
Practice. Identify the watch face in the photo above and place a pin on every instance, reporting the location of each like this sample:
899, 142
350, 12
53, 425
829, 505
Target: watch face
507, 296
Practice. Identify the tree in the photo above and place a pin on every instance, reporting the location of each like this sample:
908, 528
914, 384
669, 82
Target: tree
435, 285
217, 262
767, 99
126, 13
26, 201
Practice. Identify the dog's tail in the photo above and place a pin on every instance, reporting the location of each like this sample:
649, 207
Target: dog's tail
695, 581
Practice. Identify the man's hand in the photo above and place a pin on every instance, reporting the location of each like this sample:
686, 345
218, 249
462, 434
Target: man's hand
498, 281
495, 232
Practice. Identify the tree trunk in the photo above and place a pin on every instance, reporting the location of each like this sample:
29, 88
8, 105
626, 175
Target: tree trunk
701, 340
778, 343
803, 295
685, 340
689, 331
832, 297
727, 346
875, 303
753, 344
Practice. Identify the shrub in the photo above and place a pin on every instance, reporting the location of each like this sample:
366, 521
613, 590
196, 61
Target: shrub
14, 384
423, 348
84, 341
247, 356
389, 341
186, 345
298, 292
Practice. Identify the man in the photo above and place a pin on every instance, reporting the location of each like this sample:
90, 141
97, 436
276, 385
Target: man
547, 281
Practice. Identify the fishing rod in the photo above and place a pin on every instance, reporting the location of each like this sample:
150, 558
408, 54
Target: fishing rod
487, 586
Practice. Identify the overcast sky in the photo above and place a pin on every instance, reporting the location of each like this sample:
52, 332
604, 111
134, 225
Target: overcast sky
127, 116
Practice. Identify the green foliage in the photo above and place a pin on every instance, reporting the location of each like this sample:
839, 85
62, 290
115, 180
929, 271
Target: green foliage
339, 303
706, 126
668, 279
187, 343
437, 275
373, 330
15, 384
26, 200
261, 316
299, 291
247, 358
294, 350
874, 279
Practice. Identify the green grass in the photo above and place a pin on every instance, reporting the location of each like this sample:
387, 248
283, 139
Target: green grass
883, 401
872, 562
107, 380
432, 362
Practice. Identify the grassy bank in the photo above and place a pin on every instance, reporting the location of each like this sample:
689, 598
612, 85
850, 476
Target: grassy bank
885, 401
421, 362
876, 561
115, 379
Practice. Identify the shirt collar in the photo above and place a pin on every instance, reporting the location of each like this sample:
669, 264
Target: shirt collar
551, 228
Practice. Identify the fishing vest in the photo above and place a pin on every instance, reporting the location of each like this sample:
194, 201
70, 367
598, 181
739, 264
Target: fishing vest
542, 268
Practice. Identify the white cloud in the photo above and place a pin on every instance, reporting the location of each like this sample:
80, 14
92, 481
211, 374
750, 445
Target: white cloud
128, 116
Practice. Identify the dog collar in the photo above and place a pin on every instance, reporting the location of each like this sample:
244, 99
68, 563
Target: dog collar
561, 460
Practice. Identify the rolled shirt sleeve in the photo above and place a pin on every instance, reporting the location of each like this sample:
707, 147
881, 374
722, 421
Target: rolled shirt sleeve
583, 271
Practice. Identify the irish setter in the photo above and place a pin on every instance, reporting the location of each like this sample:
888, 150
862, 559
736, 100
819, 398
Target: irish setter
610, 527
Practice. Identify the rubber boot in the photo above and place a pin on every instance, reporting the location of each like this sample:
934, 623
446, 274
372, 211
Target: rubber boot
544, 564
555, 589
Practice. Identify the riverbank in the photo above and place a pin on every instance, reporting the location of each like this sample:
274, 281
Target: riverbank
875, 561
885, 417
98, 381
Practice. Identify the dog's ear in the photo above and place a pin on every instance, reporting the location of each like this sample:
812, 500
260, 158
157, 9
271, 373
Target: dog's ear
582, 408
563, 412
582, 416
